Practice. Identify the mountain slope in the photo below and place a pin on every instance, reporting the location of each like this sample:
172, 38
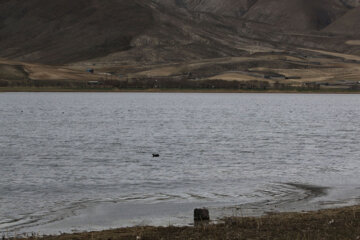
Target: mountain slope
233, 8
161, 31
66, 30
297, 14
348, 24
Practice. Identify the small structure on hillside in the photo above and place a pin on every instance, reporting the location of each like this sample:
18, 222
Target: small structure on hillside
90, 70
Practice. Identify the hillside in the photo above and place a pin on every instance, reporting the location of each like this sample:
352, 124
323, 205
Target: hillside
234, 8
349, 24
65, 31
297, 14
230, 40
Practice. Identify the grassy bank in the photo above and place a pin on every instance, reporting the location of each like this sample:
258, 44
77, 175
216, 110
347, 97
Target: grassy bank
176, 90
342, 223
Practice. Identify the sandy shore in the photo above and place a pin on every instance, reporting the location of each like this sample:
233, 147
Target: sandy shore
340, 223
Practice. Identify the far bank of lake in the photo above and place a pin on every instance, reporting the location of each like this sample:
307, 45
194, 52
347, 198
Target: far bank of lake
180, 90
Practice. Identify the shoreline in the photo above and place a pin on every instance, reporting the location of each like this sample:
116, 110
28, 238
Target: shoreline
113, 90
103, 216
334, 223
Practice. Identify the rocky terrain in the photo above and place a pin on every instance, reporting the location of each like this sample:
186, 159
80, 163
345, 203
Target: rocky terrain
277, 42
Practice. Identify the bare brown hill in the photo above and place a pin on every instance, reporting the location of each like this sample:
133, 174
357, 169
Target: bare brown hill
295, 15
60, 31
141, 32
234, 8
349, 24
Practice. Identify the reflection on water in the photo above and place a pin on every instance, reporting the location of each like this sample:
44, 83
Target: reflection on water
71, 156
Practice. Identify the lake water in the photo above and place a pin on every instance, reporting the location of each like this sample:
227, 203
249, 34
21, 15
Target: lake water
83, 161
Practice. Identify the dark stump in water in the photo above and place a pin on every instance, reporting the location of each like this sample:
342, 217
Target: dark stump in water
201, 215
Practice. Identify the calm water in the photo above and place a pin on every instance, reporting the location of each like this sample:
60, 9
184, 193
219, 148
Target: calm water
82, 161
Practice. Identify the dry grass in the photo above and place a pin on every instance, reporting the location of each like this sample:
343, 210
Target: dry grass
343, 223
235, 77
334, 54
353, 42
294, 69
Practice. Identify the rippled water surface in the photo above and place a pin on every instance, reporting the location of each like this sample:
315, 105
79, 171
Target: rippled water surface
84, 160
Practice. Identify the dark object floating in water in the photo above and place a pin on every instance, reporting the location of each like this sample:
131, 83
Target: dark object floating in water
156, 155
201, 215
